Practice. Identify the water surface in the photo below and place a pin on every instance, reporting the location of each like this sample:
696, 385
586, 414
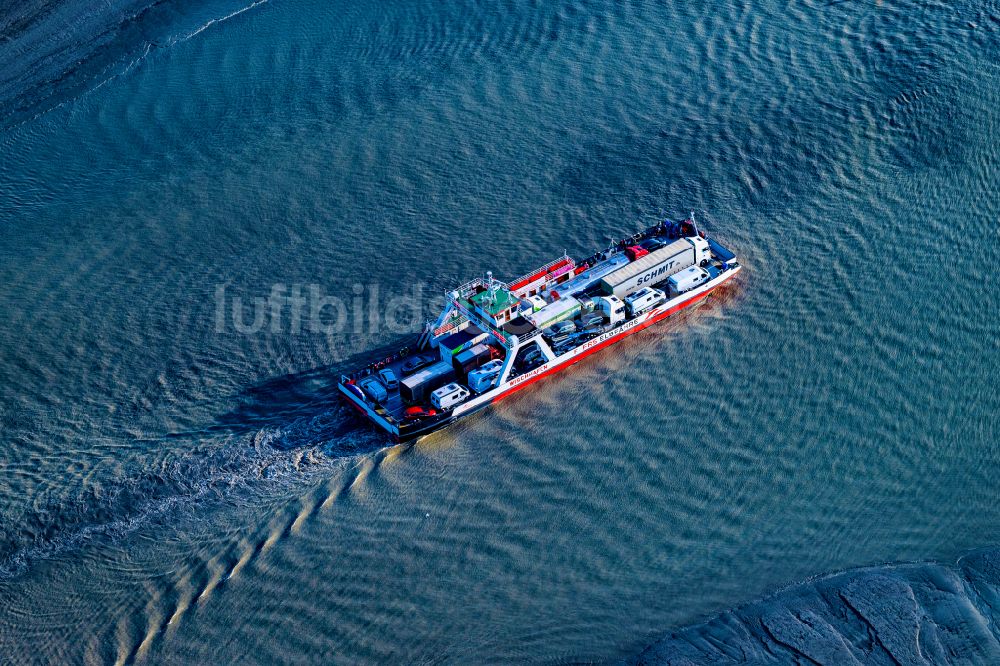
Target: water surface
174, 491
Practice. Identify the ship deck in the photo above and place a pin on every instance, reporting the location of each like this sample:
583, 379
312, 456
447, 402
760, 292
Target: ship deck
393, 407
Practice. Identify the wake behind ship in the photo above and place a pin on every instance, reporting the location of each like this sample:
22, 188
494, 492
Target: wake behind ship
494, 338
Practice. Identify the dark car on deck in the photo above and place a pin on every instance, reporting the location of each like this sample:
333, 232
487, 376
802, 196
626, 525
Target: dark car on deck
563, 327
652, 244
591, 320
418, 362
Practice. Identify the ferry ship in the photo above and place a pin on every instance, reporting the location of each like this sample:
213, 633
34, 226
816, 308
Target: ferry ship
494, 338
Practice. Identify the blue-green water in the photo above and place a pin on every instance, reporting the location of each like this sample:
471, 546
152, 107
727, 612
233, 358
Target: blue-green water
174, 490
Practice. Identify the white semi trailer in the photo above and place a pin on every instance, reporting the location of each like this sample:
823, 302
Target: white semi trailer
656, 267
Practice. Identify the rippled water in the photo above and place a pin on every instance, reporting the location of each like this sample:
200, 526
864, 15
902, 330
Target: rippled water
179, 492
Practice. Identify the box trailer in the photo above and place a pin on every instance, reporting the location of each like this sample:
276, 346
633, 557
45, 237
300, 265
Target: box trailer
589, 276
564, 308
468, 337
470, 359
655, 267
416, 387
533, 303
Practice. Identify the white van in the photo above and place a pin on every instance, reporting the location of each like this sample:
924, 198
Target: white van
646, 298
686, 280
449, 395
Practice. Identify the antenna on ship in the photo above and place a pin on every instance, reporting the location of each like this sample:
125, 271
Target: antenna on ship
491, 292
694, 224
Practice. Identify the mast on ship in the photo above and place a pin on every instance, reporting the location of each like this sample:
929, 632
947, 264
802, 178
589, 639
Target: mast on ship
491, 288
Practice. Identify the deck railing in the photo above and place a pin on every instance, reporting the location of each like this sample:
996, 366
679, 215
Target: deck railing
542, 269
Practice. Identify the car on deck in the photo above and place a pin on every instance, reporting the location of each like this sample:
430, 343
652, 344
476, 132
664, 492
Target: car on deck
417, 412
373, 390
388, 378
652, 244
563, 327
418, 362
591, 320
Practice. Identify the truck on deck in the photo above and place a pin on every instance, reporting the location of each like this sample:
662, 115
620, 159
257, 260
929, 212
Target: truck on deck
418, 386
656, 266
